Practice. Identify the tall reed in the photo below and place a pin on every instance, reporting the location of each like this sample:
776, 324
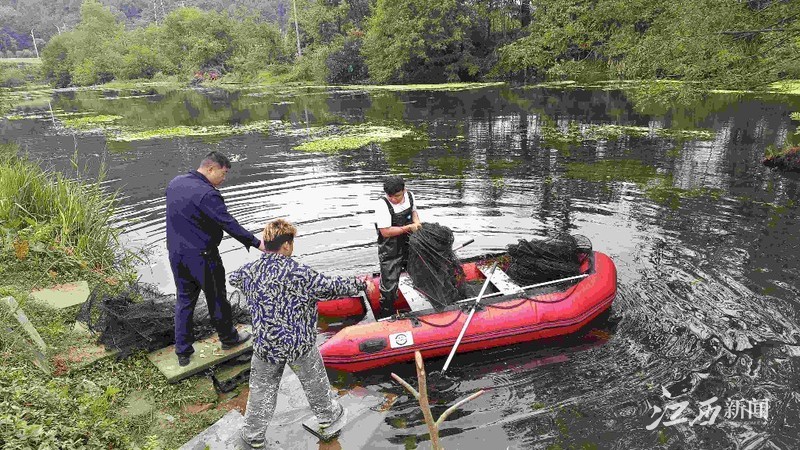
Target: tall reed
54, 224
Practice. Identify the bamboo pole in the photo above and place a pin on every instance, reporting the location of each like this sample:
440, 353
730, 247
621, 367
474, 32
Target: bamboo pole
422, 396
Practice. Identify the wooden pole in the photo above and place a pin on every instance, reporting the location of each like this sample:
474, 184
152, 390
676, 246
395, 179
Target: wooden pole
34, 43
297, 29
424, 405
423, 401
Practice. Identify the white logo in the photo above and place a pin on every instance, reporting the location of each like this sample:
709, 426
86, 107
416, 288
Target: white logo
403, 339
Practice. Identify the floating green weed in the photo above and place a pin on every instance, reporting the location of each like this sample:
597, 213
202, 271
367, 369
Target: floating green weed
502, 164
656, 186
613, 170
454, 166
351, 138
194, 131
562, 140
611, 132
791, 87
576, 133
451, 87
90, 122
703, 135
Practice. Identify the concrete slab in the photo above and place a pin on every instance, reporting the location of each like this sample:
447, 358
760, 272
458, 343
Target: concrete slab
27, 326
223, 435
39, 347
63, 296
137, 404
207, 353
326, 434
366, 412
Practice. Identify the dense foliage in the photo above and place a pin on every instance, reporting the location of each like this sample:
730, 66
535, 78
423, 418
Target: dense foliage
733, 44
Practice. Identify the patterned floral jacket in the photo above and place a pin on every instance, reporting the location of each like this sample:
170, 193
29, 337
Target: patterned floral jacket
282, 295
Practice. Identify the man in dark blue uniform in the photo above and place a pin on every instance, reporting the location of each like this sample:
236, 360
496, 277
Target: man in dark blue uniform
196, 218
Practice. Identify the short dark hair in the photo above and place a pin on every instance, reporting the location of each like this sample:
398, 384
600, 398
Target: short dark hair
393, 185
218, 159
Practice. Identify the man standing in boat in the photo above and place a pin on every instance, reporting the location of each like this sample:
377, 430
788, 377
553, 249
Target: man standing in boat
395, 218
282, 296
196, 218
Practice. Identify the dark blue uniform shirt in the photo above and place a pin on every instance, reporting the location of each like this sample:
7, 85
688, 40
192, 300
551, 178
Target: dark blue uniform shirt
197, 215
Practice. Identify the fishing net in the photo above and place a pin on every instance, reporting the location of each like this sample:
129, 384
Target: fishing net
434, 267
141, 317
537, 261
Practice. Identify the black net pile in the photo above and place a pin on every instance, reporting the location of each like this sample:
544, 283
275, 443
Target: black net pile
141, 317
433, 267
537, 261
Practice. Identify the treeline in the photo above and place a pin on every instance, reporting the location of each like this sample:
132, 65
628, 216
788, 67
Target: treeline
732, 44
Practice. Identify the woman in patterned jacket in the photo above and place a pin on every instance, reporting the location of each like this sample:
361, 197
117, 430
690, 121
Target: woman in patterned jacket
282, 295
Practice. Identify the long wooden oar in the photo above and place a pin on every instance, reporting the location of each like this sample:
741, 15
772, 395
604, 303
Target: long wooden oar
469, 317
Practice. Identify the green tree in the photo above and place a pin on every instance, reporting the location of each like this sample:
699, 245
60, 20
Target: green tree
90, 53
712, 42
257, 45
140, 57
194, 40
416, 40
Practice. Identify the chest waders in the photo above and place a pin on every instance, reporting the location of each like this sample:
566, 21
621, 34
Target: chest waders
393, 256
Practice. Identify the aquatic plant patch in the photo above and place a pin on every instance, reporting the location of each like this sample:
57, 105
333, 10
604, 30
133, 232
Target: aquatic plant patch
791, 87
129, 135
351, 138
90, 122
656, 186
450, 87
35, 96
577, 133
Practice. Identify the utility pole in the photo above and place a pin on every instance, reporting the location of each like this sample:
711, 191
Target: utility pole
34, 43
297, 28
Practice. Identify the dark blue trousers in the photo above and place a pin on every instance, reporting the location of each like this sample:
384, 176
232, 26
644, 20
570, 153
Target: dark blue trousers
192, 274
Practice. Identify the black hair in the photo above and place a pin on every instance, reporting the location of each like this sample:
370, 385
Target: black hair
393, 185
218, 159
275, 244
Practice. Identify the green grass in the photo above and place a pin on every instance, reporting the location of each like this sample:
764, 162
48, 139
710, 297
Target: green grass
52, 225
55, 230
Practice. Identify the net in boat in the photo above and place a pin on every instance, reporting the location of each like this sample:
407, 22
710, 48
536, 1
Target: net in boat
537, 261
433, 266
140, 317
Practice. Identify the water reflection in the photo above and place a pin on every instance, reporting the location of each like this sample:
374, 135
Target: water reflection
702, 234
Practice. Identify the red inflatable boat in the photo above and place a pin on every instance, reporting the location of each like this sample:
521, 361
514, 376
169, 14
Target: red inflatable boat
508, 314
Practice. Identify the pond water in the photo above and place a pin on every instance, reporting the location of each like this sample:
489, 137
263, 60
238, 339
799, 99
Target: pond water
704, 238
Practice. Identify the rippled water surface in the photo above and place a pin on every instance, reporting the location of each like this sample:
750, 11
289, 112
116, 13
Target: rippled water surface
705, 240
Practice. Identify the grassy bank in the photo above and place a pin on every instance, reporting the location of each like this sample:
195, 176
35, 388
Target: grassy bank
16, 72
55, 230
